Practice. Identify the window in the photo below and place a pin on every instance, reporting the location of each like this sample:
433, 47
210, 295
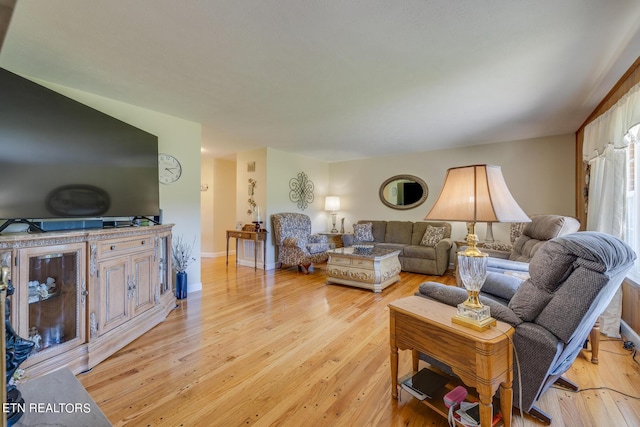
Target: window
632, 228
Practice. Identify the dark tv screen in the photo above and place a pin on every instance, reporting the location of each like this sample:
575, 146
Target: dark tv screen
62, 159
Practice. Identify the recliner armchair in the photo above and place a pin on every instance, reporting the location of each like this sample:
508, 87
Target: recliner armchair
572, 280
295, 245
541, 229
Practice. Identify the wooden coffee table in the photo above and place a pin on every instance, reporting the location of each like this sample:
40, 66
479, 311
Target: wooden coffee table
374, 271
483, 360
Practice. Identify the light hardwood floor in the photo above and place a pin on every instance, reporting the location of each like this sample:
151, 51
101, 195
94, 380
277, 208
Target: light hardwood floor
282, 348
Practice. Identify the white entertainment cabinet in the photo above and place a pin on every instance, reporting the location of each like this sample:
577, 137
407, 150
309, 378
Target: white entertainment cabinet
107, 287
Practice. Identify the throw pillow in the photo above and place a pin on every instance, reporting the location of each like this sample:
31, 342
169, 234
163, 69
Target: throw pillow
515, 230
432, 236
363, 232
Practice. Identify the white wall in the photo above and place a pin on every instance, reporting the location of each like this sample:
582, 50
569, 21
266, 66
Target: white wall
180, 202
274, 170
282, 168
218, 204
539, 172
259, 157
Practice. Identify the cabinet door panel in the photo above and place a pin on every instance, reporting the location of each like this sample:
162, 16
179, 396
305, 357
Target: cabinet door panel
114, 290
144, 282
50, 301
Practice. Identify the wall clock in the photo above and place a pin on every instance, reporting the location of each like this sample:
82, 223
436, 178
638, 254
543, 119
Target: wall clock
169, 168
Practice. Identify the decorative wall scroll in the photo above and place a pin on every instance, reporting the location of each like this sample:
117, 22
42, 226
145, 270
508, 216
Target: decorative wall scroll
251, 189
301, 190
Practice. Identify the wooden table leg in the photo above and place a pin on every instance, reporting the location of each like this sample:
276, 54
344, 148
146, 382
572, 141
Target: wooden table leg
594, 337
255, 253
415, 359
506, 403
394, 371
393, 355
486, 406
264, 254
227, 250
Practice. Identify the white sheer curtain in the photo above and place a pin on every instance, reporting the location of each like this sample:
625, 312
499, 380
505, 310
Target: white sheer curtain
605, 149
607, 191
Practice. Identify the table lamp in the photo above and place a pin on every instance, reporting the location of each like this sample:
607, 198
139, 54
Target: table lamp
332, 203
476, 193
489, 235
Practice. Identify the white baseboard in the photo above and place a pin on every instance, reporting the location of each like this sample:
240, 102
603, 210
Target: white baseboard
194, 287
246, 263
215, 254
629, 334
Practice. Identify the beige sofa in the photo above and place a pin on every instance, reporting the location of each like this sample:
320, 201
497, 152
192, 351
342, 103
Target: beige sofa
406, 236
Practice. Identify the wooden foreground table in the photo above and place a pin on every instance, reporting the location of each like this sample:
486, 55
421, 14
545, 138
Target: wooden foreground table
483, 360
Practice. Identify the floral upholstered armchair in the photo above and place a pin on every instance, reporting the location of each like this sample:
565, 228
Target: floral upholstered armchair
295, 245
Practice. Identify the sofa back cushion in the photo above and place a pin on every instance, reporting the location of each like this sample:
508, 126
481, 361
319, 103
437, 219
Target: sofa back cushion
399, 232
537, 232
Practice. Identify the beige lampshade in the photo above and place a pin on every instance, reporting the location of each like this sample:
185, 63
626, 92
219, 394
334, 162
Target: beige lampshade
476, 193
332, 203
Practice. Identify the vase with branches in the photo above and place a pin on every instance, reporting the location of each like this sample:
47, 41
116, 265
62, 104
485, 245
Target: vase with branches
181, 258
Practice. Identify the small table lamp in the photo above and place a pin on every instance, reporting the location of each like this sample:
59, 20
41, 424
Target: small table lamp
332, 203
489, 236
476, 193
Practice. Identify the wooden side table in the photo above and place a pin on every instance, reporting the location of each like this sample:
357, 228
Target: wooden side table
334, 239
483, 360
256, 236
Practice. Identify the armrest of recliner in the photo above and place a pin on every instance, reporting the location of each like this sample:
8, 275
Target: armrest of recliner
502, 265
443, 246
496, 253
537, 358
501, 285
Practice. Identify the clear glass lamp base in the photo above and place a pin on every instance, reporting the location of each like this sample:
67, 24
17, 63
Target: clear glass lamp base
474, 318
472, 266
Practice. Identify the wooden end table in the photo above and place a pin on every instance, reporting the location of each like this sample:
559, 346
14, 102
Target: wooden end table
334, 239
256, 236
483, 360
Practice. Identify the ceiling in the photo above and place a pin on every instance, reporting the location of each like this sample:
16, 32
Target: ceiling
337, 80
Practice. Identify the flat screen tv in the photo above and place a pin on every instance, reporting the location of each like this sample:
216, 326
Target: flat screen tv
62, 159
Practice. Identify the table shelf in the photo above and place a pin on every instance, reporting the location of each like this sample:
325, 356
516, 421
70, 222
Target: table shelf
436, 403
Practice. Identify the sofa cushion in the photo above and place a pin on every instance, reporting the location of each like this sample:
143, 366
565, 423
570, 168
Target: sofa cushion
432, 236
399, 232
363, 232
393, 246
417, 251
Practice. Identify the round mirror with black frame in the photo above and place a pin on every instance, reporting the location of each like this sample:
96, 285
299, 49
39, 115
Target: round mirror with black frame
403, 192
